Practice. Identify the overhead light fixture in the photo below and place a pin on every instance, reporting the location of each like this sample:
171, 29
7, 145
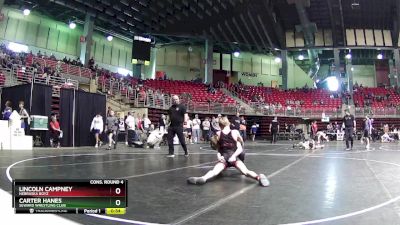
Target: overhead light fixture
236, 54
300, 57
379, 56
72, 25
348, 56
109, 38
26, 12
278, 59
333, 83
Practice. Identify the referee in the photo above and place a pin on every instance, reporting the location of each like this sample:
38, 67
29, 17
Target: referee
349, 127
177, 115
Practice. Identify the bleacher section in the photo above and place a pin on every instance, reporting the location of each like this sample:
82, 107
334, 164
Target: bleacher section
198, 91
376, 97
65, 68
311, 98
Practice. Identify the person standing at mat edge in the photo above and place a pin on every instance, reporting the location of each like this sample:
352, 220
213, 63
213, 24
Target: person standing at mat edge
177, 115
274, 129
97, 128
349, 127
112, 125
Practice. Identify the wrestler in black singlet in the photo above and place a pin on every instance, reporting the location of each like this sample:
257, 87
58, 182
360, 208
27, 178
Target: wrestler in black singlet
227, 147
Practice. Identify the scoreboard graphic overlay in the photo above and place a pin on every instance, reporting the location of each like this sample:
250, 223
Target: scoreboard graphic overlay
96, 196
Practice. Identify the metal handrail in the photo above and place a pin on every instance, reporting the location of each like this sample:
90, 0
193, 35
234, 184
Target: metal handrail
377, 112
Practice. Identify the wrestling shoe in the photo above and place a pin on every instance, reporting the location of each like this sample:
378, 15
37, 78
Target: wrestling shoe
367, 147
170, 156
263, 180
347, 149
187, 155
96, 146
196, 180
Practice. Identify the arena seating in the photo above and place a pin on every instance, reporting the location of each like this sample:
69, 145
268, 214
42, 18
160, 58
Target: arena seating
360, 96
198, 91
312, 98
66, 68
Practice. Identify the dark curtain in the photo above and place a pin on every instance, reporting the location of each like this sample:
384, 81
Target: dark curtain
66, 115
87, 105
41, 105
41, 102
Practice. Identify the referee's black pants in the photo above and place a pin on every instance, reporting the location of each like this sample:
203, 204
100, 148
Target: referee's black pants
348, 135
274, 134
170, 137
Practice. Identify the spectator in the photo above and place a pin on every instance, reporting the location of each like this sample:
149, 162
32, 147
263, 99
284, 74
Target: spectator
243, 128
162, 123
146, 123
206, 129
196, 129
215, 124
7, 111
314, 129
108, 111
130, 126
91, 63
25, 120
274, 129
97, 128
52, 57
235, 122
253, 131
187, 127
112, 125
329, 127
55, 132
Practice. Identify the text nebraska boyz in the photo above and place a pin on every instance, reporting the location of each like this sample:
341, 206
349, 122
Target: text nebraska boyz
45, 189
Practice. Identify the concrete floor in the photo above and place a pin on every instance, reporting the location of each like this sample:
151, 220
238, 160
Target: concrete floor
329, 186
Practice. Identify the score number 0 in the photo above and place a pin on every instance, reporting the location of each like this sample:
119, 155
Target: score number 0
117, 191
